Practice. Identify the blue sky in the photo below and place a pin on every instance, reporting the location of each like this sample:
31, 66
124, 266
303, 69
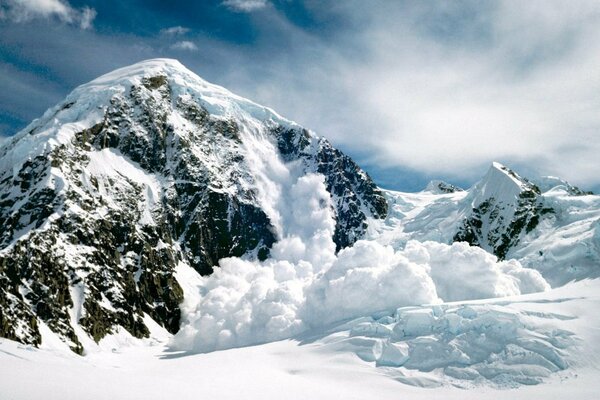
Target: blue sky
413, 90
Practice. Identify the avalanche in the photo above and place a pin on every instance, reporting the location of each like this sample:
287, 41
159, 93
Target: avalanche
305, 285
138, 172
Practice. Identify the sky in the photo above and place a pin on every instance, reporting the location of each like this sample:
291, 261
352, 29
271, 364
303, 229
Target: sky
412, 90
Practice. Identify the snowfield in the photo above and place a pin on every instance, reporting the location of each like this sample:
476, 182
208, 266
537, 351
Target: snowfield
496, 348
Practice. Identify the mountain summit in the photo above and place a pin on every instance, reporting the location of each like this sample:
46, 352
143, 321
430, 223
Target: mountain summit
505, 206
142, 172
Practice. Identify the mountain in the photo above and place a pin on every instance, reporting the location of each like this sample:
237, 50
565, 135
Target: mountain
504, 207
137, 175
548, 225
142, 180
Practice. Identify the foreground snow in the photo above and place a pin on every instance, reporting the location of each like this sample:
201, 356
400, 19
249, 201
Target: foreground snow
552, 337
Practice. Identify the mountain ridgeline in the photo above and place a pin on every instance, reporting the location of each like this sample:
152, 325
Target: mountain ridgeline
546, 224
133, 174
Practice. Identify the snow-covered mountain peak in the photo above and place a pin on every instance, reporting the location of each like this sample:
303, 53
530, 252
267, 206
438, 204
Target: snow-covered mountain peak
157, 72
502, 184
546, 223
156, 81
140, 172
500, 209
151, 67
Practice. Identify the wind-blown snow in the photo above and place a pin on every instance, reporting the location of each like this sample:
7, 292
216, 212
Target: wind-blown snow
305, 285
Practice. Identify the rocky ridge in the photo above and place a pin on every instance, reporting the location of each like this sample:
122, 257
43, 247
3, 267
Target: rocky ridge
505, 207
136, 174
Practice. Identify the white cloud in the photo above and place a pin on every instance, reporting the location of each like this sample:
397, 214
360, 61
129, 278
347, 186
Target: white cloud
447, 89
87, 17
524, 96
184, 45
27, 10
175, 31
440, 89
245, 5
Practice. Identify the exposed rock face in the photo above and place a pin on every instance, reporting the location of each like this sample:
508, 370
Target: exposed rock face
137, 172
505, 207
352, 190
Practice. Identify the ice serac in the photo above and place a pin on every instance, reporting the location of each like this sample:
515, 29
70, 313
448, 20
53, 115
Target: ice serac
504, 207
139, 171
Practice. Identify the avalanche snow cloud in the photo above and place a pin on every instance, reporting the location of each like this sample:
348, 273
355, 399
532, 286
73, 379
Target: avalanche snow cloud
305, 285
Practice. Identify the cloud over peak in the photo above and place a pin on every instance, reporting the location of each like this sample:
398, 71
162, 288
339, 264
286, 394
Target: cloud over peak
184, 45
245, 5
175, 31
411, 90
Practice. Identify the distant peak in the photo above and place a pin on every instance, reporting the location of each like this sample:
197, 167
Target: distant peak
497, 165
501, 182
554, 183
504, 170
441, 187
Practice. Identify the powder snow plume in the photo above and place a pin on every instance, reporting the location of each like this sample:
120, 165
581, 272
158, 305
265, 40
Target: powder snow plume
305, 285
